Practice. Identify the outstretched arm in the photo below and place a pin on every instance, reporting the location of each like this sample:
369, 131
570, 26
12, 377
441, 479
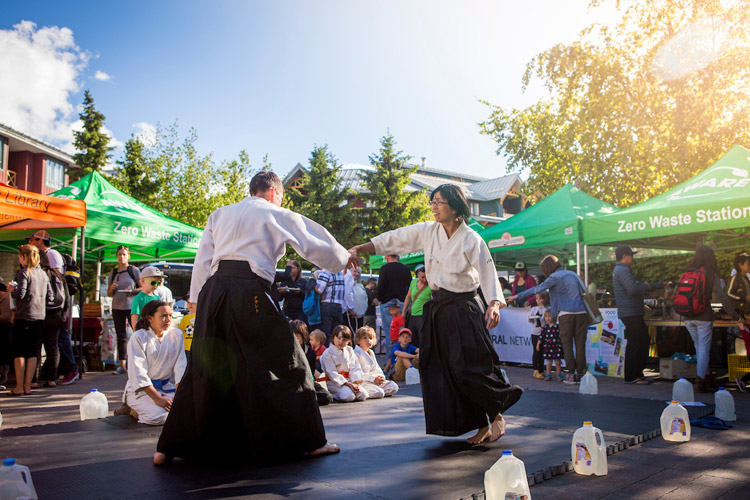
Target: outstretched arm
354, 260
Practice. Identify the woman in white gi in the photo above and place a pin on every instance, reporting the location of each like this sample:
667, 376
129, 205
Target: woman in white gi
462, 386
156, 363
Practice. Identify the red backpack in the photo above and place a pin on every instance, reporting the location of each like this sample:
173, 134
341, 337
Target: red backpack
690, 294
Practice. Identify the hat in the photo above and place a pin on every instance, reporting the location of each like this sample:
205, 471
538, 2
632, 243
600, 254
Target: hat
419, 268
403, 329
622, 251
41, 234
152, 272
393, 303
520, 266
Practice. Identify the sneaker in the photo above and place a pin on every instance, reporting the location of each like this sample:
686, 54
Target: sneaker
561, 377
740, 384
570, 379
119, 371
537, 374
70, 378
548, 378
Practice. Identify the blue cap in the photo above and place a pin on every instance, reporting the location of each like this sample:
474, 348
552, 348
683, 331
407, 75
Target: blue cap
507, 452
9, 462
721, 388
682, 378
94, 390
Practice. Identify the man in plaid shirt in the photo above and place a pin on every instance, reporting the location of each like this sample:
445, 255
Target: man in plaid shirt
332, 304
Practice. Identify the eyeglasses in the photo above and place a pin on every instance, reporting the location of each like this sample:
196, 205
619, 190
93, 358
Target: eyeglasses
435, 203
155, 283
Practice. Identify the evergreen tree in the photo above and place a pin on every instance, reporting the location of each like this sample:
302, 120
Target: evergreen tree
322, 199
134, 176
388, 205
92, 143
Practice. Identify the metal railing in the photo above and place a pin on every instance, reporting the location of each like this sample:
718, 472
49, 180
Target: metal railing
10, 178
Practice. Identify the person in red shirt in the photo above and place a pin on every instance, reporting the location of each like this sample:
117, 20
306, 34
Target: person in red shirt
523, 281
397, 323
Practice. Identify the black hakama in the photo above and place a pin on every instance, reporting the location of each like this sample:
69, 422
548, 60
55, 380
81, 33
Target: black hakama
248, 390
462, 386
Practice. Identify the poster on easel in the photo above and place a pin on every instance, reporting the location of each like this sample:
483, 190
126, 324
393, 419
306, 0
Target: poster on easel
605, 345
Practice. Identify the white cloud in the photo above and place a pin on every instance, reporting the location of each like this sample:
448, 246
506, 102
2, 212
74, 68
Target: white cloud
45, 65
102, 76
146, 132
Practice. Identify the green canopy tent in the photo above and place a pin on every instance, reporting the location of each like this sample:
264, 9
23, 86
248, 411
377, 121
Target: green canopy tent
415, 258
551, 226
712, 206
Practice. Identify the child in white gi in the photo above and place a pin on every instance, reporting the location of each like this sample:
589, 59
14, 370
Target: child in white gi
156, 354
375, 384
342, 368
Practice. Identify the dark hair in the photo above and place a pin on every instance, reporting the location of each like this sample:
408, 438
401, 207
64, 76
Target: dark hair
299, 327
705, 258
544, 295
504, 283
455, 198
549, 265
263, 181
295, 263
343, 330
740, 259
147, 312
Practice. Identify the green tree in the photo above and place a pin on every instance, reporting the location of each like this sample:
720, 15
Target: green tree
92, 143
323, 199
134, 174
635, 108
388, 205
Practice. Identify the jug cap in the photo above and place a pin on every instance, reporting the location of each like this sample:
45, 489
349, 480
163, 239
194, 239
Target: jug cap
587, 422
9, 461
588, 371
682, 378
94, 390
507, 452
675, 402
721, 388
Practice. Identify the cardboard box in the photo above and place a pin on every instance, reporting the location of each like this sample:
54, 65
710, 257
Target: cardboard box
673, 369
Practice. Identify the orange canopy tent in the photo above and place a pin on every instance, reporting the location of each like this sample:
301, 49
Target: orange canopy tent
21, 211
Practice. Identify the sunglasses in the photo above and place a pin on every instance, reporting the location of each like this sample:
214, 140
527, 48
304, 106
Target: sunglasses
154, 283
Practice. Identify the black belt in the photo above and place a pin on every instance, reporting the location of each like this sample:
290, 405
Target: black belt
242, 269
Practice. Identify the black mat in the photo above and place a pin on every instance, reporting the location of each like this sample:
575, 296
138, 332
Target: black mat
386, 453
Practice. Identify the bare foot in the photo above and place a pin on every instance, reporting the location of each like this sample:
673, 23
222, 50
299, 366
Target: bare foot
161, 458
326, 449
498, 428
482, 435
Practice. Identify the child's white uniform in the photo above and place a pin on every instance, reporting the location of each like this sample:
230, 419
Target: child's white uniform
152, 359
337, 362
370, 370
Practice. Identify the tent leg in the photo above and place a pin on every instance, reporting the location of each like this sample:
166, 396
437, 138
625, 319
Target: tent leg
98, 286
578, 258
586, 264
70, 316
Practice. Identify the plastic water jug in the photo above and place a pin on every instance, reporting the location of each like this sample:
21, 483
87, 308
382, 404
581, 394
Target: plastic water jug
589, 451
94, 405
675, 423
724, 405
588, 384
15, 481
412, 376
682, 390
506, 479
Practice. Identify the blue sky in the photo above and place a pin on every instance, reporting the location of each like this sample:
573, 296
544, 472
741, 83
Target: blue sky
279, 77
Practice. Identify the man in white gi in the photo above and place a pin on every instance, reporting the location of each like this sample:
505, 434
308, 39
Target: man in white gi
248, 391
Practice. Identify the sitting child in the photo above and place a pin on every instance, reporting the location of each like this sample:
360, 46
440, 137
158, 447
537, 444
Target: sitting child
156, 354
404, 355
374, 383
300, 332
340, 365
318, 344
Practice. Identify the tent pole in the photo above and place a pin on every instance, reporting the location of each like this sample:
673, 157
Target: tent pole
98, 287
586, 264
70, 316
80, 305
578, 258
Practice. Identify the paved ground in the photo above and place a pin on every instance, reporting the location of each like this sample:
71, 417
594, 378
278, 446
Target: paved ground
385, 452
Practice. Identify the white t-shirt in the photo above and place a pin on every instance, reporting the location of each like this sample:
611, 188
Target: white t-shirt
55, 260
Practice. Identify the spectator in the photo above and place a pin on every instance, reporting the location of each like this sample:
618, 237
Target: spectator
372, 302
419, 293
629, 295
567, 306
318, 344
151, 278
398, 322
164, 293
311, 302
300, 333
738, 289
6, 324
31, 294
332, 291
53, 321
393, 283
522, 281
700, 327
536, 317
187, 326
123, 286
505, 286
356, 300
403, 355
157, 364
292, 292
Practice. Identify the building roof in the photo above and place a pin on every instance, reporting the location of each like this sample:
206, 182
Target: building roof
19, 141
474, 187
